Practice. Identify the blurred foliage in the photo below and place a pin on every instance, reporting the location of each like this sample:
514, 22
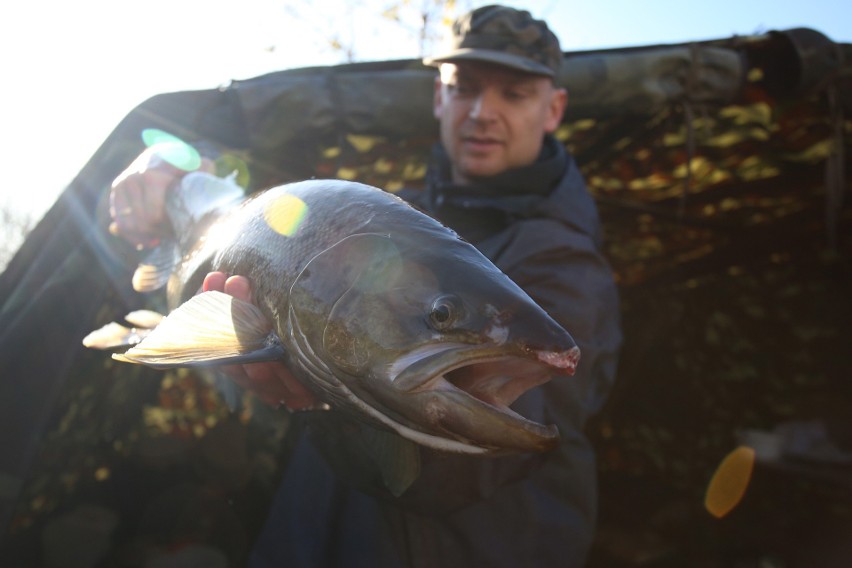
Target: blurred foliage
422, 23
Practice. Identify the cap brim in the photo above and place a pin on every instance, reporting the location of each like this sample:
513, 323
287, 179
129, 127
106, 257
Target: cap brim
490, 56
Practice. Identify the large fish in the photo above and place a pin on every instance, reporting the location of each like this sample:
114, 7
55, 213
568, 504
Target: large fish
380, 310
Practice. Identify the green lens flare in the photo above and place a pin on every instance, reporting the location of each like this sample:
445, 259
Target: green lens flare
285, 214
172, 149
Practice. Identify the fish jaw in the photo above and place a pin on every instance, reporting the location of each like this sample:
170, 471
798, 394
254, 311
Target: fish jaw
464, 392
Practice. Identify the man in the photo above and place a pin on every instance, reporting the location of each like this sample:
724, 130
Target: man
504, 183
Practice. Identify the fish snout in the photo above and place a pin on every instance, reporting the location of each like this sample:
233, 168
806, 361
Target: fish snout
563, 362
545, 340
544, 336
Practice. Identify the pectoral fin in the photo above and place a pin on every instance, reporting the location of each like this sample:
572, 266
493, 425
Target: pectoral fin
210, 329
114, 335
154, 271
144, 318
398, 459
369, 455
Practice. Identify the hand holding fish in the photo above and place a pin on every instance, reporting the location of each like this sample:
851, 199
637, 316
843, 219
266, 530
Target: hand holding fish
138, 211
138, 198
270, 381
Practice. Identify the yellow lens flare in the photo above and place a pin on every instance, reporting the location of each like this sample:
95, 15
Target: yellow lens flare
728, 485
285, 214
172, 149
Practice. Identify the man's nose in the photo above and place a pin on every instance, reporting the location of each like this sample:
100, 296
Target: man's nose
484, 106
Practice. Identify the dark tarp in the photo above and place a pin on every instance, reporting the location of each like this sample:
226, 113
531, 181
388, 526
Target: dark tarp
719, 168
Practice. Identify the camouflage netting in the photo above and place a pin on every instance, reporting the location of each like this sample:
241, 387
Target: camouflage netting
720, 172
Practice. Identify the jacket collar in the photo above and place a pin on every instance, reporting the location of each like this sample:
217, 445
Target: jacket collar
515, 191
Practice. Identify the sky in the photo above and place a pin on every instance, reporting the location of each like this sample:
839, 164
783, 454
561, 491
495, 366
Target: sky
72, 69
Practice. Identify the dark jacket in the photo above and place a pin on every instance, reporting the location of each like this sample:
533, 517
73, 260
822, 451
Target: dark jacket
541, 228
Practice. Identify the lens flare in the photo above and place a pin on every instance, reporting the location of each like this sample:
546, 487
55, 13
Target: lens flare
232, 165
285, 214
729, 483
172, 149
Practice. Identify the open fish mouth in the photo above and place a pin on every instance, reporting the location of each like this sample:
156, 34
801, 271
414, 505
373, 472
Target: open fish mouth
498, 382
466, 392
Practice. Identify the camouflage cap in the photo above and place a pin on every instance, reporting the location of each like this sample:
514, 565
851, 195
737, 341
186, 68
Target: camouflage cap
503, 36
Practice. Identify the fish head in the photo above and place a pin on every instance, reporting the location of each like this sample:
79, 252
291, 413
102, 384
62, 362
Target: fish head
435, 339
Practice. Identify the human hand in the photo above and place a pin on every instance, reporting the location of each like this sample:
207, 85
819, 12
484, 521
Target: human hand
137, 199
270, 381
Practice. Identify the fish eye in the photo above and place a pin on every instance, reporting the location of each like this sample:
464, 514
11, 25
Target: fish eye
444, 312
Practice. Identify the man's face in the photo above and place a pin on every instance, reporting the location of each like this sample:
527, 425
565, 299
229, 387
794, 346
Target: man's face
493, 118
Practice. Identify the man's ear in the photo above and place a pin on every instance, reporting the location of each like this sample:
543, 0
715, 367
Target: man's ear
556, 109
437, 98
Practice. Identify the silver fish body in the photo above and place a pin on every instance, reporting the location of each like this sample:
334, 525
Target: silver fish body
380, 310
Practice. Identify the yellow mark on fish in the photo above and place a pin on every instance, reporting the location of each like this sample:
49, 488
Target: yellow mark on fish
729, 483
285, 214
